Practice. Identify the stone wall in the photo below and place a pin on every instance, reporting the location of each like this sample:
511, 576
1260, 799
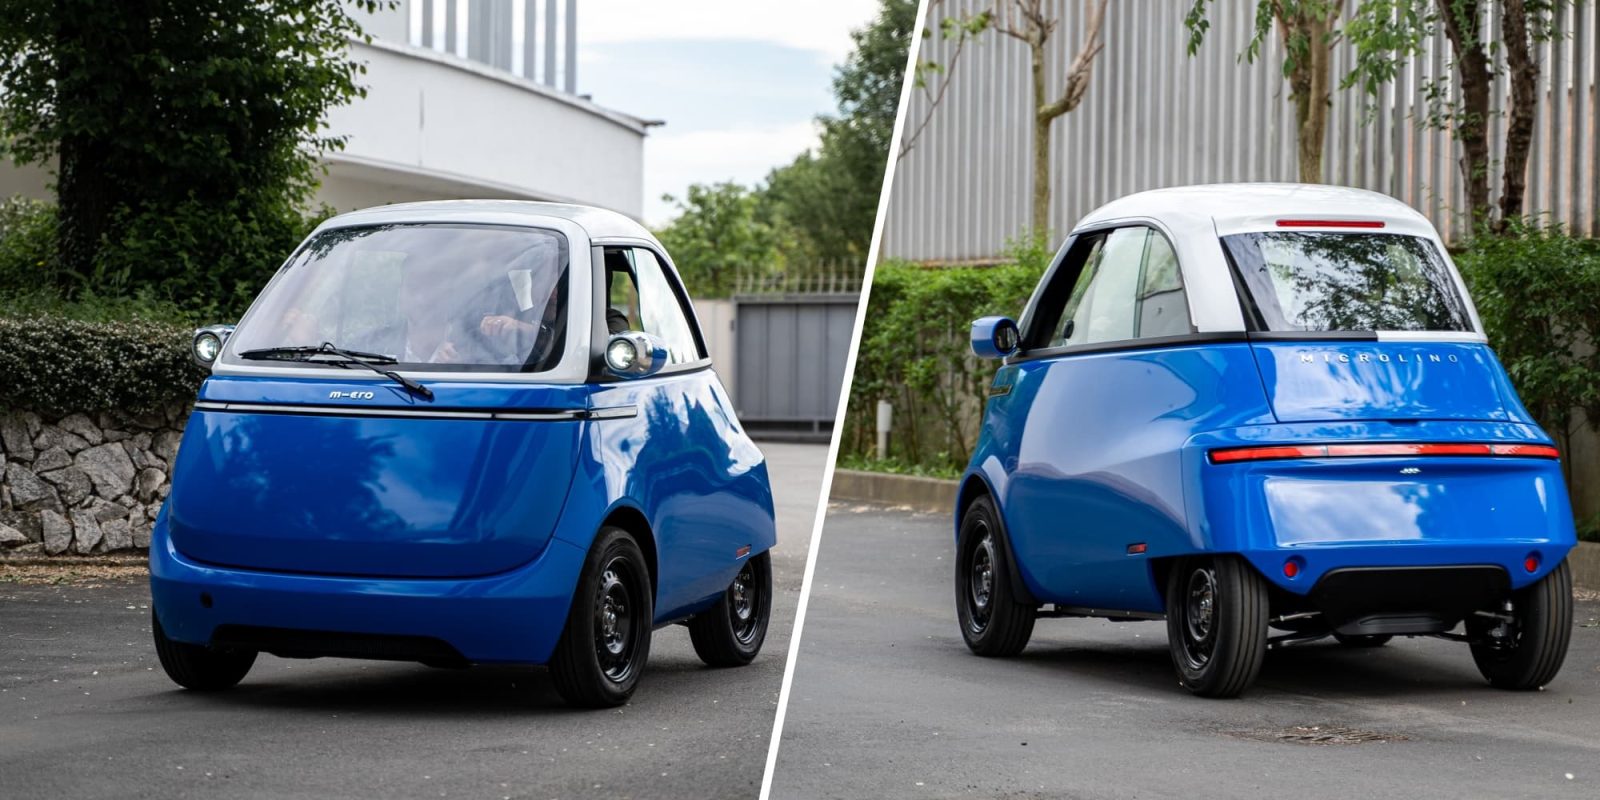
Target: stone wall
84, 483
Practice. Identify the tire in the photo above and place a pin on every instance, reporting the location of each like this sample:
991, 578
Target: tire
993, 622
1539, 636
606, 642
1363, 640
730, 633
1216, 624
196, 667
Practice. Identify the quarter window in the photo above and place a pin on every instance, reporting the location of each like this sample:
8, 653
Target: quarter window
641, 297
1128, 287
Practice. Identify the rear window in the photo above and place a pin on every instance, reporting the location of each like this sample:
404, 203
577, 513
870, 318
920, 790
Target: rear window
1316, 281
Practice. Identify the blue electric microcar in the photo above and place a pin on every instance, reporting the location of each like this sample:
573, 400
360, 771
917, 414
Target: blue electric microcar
461, 433
1268, 414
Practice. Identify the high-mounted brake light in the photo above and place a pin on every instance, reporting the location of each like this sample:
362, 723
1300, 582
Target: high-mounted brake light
1230, 455
1330, 223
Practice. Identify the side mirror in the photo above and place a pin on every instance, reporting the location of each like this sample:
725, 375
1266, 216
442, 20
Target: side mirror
207, 344
635, 354
995, 337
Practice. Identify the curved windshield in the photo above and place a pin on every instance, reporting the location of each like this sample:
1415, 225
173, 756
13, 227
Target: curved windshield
432, 297
1315, 281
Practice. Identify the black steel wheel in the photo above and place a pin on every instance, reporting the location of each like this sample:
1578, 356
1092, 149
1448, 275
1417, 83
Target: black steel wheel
1216, 624
602, 652
1527, 652
730, 633
198, 667
993, 621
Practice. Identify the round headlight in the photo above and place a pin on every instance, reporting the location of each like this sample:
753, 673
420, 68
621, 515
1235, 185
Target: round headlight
206, 347
621, 355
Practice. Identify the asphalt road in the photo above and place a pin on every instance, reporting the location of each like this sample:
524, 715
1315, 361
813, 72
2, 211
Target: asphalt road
887, 702
85, 711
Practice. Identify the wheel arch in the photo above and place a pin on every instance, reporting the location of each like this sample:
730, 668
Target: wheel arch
634, 522
973, 487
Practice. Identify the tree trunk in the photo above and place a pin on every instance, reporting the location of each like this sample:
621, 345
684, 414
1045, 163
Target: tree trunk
1464, 29
1039, 227
1524, 71
1309, 88
85, 198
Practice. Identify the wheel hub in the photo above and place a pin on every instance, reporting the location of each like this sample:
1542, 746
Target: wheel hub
981, 579
613, 621
1199, 618
744, 604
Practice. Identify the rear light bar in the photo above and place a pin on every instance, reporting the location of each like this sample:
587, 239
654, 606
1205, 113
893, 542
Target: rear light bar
1230, 455
1330, 223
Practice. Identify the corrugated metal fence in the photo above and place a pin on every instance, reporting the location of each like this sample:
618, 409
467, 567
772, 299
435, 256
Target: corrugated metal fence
1156, 117
791, 342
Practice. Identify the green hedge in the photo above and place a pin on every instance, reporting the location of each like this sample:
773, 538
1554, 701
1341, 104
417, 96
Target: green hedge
56, 363
914, 353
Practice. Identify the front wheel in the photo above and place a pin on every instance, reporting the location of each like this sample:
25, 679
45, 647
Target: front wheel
1216, 624
603, 650
198, 667
993, 622
730, 633
1529, 650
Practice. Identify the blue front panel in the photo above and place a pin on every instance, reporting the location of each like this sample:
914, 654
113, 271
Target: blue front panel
1085, 455
364, 495
684, 461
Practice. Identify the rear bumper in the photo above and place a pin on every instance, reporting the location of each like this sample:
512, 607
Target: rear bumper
512, 617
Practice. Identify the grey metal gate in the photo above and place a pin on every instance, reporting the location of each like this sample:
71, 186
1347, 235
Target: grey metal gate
789, 352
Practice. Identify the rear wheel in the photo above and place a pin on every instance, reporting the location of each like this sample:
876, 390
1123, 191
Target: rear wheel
993, 622
1216, 624
1363, 639
197, 667
606, 643
1530, 649
730, 633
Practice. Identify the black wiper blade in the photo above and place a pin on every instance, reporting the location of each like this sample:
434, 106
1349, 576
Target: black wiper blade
344, 359
289, 353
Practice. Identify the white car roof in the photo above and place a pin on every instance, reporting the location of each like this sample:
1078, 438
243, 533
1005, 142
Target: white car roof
1194, 218
598, 223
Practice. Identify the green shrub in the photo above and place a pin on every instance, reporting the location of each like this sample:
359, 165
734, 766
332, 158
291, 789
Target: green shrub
27, 245
1538, 292
915, 354
56, 364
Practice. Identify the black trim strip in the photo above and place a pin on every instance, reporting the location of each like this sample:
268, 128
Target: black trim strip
533, 415
1312, 336
1151, 343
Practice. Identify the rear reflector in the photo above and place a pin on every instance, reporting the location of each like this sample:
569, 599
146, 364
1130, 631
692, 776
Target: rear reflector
1231, 455
1330, 223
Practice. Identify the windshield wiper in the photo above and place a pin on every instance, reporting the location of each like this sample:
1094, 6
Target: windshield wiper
344, 359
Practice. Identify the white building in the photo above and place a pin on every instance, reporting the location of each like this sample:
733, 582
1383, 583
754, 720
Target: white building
468, 98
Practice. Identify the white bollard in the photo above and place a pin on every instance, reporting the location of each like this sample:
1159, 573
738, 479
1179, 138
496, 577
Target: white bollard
885, 422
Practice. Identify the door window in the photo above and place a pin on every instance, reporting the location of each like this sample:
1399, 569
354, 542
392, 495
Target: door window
1128, 287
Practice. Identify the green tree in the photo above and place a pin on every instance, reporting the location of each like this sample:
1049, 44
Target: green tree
715, 235
829, 198
1309, 31
1386, 32
186, 133
1029, 22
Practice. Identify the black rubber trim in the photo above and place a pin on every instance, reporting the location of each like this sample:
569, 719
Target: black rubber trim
296, 643
380, 412
1128, 345
1312, 336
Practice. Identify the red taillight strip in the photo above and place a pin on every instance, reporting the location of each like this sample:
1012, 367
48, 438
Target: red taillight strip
1330, 223
1230, 455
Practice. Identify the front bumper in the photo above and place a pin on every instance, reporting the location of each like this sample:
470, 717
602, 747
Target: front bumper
511, 617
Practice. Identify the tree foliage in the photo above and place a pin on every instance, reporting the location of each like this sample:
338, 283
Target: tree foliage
820, 208
185, 133
718, 232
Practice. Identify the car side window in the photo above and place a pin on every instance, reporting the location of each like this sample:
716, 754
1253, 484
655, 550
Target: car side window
640, 294
1129, 287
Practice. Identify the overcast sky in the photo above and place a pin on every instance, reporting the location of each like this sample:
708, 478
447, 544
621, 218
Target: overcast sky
738, 82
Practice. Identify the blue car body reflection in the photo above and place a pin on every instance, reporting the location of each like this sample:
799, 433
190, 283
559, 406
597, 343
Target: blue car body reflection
312, 498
